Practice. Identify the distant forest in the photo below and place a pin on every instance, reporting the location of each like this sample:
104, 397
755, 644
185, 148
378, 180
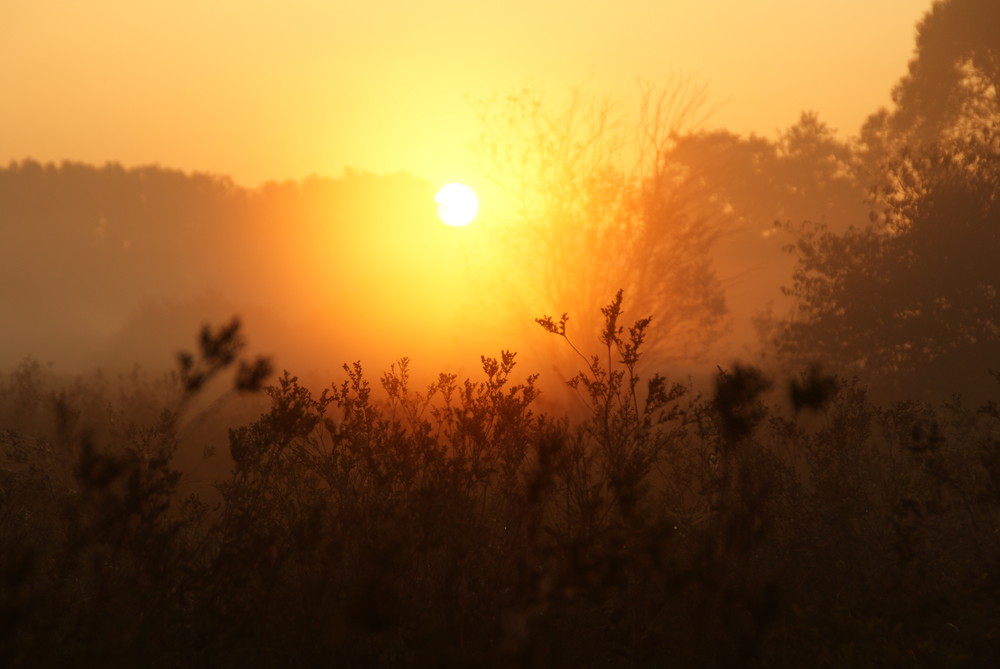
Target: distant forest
829, 496
127, 263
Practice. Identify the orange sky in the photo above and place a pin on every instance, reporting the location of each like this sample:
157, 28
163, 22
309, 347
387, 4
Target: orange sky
272, 90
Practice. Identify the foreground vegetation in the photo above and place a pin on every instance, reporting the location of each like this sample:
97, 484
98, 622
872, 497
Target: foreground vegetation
772, 524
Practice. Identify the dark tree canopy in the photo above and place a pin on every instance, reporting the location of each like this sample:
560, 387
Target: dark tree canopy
806, 174
751, 183
953, 79
911, 300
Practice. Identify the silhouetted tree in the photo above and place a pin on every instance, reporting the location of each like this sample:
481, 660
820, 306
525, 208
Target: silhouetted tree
953, 82
598, 205
807, 173
912, 300
912, 297
761, 191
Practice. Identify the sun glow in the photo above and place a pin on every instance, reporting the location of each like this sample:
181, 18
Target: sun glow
457, 204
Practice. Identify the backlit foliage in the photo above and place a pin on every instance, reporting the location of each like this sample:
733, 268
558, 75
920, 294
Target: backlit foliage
596, 204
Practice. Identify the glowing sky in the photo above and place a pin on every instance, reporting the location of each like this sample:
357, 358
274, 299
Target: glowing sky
271, 89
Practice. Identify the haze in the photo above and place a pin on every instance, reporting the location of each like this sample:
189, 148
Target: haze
182, 163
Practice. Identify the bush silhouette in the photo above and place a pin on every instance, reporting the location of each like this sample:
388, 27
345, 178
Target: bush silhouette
373, 524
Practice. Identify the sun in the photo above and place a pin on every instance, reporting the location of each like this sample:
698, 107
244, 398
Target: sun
457, 204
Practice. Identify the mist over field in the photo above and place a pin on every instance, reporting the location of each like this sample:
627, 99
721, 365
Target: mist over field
678, 395
322, 272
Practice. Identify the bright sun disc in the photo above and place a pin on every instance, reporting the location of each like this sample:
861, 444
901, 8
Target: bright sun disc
457, 204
